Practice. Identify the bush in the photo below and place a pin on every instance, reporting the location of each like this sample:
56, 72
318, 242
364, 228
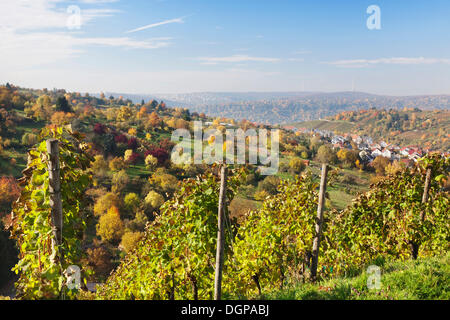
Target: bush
297, 165
154, 199
29, 139
269, 184
130, 239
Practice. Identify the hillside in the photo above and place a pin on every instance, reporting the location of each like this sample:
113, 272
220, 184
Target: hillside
419, 280
129, 183
286, 107
429, 129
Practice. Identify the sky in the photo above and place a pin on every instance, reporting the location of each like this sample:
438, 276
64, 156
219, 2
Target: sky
181, 46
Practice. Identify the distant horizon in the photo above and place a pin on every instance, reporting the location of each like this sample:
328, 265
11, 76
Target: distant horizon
224, 92
274, 92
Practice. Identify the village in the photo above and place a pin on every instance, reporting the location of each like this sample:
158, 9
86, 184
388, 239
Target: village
368, 149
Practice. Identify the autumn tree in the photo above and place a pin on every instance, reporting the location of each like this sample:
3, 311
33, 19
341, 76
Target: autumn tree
110, 227
124, 114
326, 154
105, 202
62, 118
99, 167
151, 162
154, 199
269, 185
296, 165
130, 239
9, 192
380, 163
117, 164
99, 258
131, 202
119, 181
154, 120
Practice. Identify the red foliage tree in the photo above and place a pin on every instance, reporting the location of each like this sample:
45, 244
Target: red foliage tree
99, 129
159, 153
120, 138
132, 143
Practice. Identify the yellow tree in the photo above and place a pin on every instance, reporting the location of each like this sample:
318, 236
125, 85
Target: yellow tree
105, 202
124, 114
110, 227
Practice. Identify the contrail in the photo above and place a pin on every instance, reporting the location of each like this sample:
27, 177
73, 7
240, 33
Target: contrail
177, 20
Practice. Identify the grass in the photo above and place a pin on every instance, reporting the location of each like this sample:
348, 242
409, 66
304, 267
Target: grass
423, 279
138, 171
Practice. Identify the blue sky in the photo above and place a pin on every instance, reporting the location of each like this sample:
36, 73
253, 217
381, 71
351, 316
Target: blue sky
175, 46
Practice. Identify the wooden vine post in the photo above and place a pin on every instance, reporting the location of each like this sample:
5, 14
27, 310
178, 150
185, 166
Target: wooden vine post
55, 190
220, 233
426, 191
319, 221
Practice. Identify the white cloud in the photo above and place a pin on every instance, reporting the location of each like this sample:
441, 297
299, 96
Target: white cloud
97, 1
32, 15
235, 58
154, 25
362, 63
154, 43
34, 32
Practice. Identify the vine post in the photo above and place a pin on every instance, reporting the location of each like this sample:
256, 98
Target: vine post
319, 221
55, 189
426, 190
414, 245
220, 233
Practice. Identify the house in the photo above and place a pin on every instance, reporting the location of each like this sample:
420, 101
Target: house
386, 153
404, 151
357, 139
365, 156
376, 152
337, 139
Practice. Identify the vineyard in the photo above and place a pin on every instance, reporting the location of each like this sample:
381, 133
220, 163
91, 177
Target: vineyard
291, 240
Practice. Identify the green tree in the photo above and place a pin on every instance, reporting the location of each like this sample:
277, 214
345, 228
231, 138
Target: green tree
63, 105
325, 154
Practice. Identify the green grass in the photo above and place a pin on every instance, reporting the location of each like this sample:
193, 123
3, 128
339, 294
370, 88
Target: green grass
138, 170
340, 199
424, 279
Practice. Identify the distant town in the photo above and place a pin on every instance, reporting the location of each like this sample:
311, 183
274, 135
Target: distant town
369, 149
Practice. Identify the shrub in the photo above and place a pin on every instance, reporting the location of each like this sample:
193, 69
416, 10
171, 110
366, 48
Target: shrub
154, 199
130, 239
